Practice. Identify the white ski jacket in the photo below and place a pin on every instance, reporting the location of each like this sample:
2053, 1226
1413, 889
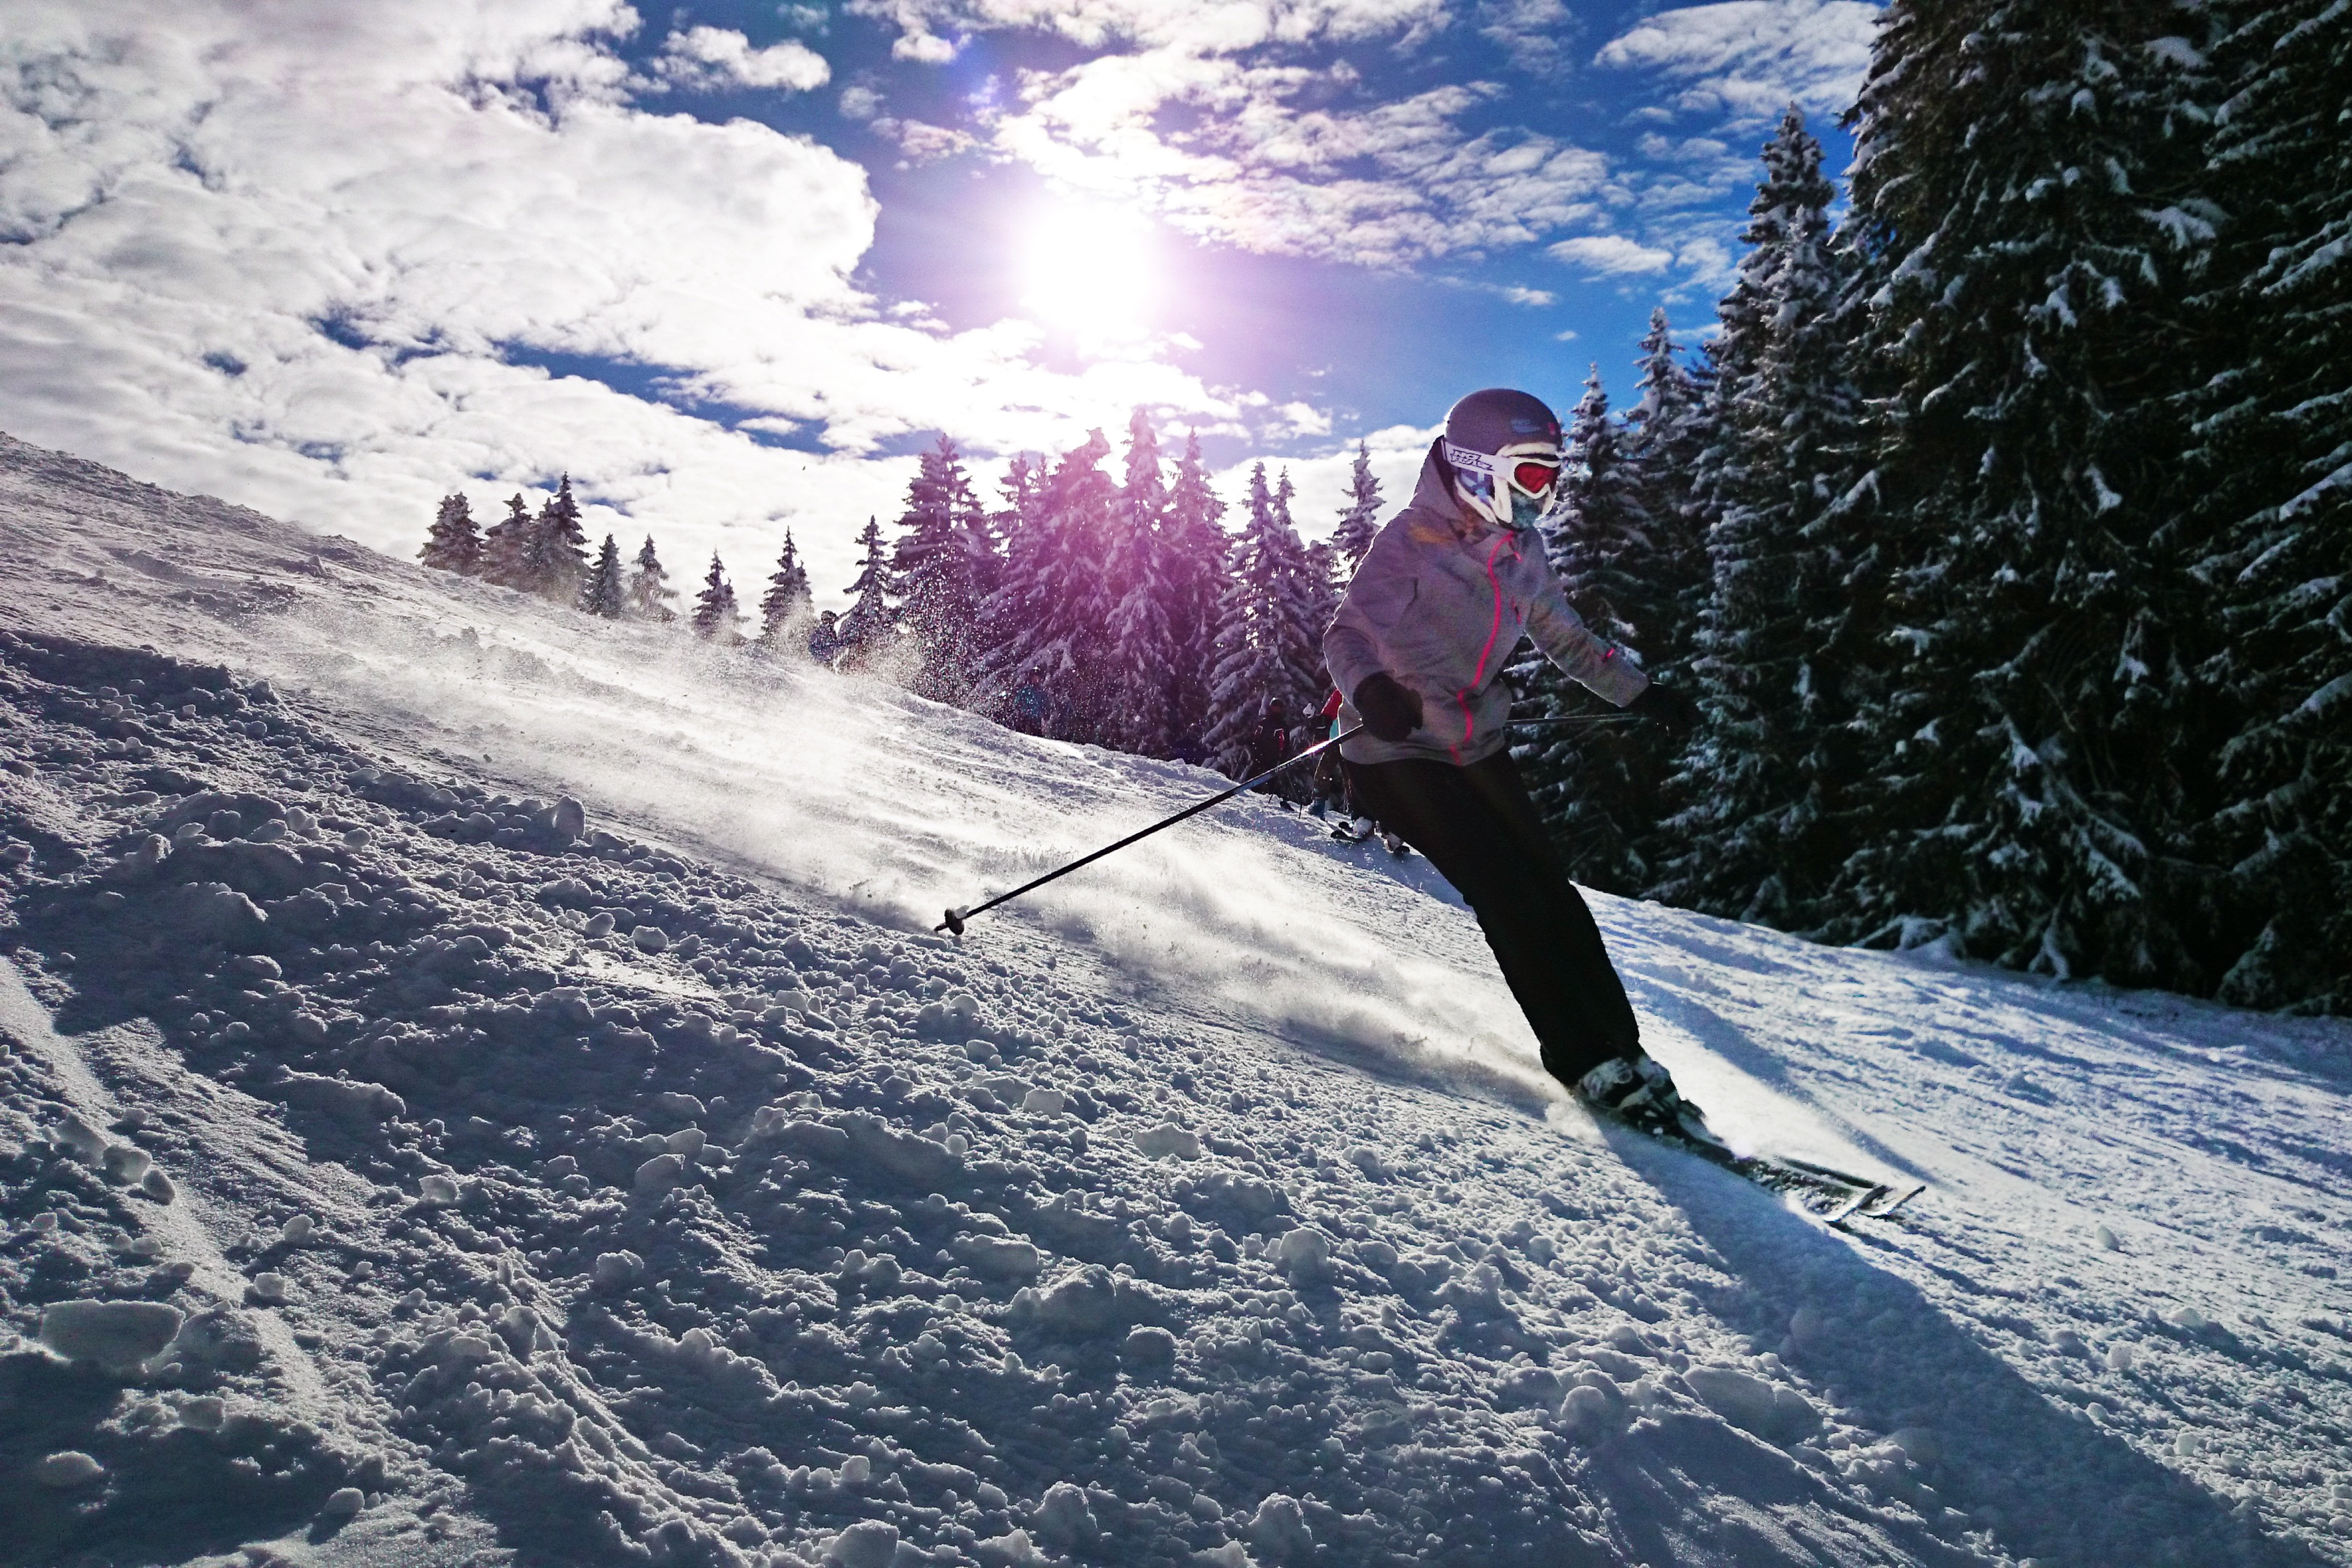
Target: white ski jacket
1439, 602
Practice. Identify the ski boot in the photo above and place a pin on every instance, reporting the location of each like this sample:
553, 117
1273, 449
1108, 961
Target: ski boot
1640, 1092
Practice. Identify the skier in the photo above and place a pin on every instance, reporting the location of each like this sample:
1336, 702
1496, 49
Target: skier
1329, 791
824, 641
1029, 704
1419, 645
1270, 743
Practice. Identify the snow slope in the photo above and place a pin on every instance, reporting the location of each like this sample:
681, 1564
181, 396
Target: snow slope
652, 1185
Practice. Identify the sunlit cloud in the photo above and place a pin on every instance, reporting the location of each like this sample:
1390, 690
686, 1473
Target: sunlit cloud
711, 59
1610, 255
1385, 184
1222, 27
1745, 61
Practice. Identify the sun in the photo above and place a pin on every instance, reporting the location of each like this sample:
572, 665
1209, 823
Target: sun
1093, 271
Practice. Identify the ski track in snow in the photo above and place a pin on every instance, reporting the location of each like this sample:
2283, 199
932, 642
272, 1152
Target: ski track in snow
1206, 1208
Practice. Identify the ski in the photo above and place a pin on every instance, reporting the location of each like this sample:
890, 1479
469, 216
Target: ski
1836, 1196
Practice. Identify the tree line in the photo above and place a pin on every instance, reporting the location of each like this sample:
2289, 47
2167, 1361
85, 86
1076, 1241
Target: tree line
1117, 611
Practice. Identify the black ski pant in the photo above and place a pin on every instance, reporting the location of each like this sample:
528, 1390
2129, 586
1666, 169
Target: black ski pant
1480, 830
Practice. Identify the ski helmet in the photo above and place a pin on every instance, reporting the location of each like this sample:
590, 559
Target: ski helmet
1503, 449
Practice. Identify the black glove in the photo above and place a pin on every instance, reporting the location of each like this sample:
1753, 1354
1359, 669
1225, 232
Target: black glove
1665, 705
1391, 709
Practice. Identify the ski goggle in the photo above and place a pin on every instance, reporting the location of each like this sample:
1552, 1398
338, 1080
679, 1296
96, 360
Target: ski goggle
1529, 469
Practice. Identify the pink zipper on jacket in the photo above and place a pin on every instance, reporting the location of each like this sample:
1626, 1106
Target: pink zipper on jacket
1494, 632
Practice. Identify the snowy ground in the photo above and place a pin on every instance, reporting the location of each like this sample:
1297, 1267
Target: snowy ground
654, 1187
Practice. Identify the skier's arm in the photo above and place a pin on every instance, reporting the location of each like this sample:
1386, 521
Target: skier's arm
1599, 665
1382, 589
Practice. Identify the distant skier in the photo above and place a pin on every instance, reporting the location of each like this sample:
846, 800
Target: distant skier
1028, 704
1273, 743
1419, 645
824, 641
1331, 791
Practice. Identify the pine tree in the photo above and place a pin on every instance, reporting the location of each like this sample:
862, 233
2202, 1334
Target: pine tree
1764, 834
2270, 482
1143, 717
871, 621
1327, 582
1193, 557
1663, 436
555, 553
938, 570
603, 594
504, 544
1361, 521
2030, 775
1052, 607
1305, 606
649, 590
1267, 648
716, 617
453, 544
788, 603
1599, 791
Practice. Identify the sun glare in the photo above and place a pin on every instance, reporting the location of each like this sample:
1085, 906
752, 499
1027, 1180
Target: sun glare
1093, 271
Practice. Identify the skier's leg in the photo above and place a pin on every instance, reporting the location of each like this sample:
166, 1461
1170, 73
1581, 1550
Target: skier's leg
1480, 830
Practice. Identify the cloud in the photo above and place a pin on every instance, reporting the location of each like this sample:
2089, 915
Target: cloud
1610, 255
711, 59
314, 260
1186, 25
1224, 150
924, 144
1746, 59
923, 48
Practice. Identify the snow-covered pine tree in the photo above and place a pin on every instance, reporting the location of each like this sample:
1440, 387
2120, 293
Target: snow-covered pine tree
1142, 645
1302, 608
1599, 791
454, 544
504, 544
1361, 521
1762, 833
605, 594
649, 590
1267, 646
2270, 468
789, 604
1051, 610
1194, 535
871, 624
2030, 778
716, 617
1661, 438
1327, 580
555, 555
933, 565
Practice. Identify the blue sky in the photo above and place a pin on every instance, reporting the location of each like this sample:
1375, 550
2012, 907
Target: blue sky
731, 264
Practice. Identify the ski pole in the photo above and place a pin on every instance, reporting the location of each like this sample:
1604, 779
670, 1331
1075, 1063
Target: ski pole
954, 922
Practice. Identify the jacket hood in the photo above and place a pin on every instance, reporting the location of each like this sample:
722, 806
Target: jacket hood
1433, 495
